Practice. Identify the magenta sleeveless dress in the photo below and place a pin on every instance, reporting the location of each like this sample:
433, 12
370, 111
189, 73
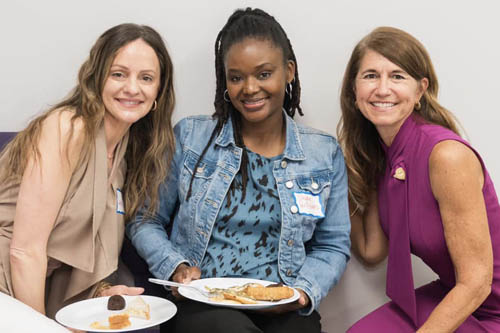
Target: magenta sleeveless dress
410, 218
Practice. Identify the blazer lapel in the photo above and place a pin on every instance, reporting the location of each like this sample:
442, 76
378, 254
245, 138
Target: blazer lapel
100, 181
79, 279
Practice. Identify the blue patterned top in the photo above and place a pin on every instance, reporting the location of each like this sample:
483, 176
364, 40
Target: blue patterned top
246, 234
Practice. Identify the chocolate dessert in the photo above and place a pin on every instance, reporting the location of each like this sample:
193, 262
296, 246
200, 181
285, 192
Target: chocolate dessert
116, 302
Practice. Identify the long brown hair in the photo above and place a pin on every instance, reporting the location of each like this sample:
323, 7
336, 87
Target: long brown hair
359, 139
151, 141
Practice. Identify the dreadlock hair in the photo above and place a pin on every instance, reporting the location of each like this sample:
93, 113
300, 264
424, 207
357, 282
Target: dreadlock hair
243, 24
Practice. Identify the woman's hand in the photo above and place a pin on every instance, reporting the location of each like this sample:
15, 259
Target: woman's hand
121, 290
367, 237
302, 302
74, 330
184, 274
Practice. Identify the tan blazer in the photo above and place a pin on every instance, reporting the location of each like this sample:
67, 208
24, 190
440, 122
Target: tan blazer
88, 233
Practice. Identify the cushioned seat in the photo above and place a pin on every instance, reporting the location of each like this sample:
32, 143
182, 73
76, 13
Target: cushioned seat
5, 137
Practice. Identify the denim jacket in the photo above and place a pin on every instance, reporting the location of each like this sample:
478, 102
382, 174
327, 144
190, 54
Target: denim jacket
313, 248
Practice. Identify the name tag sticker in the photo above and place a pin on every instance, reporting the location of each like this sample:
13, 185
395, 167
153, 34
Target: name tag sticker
309, 204
120, 206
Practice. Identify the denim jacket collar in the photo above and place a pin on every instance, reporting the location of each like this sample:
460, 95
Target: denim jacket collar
293, 149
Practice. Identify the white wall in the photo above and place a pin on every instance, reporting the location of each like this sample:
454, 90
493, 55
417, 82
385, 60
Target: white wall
44, 43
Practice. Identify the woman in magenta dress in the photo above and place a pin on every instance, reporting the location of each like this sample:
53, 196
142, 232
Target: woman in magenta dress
417, 187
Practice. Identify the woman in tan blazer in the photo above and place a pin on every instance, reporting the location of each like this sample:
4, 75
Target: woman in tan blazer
77, 172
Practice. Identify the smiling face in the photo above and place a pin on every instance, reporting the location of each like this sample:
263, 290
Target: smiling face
132, 84
256, 77
385, 94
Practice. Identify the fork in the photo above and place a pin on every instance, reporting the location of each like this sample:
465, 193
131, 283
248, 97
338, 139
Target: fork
176, 284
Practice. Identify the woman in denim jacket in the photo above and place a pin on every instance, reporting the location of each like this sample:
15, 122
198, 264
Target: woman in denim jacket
263, 198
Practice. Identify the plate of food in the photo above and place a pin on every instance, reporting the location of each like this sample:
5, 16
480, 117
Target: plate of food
116, 313
240, 293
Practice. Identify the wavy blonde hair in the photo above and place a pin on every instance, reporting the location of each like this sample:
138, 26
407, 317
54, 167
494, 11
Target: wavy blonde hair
364, 156
151, 140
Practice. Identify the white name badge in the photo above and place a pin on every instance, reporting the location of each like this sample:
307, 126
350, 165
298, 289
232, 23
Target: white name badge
120, 206
309, 204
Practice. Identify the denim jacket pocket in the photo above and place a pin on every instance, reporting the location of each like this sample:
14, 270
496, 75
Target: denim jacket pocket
318, 185
314, 183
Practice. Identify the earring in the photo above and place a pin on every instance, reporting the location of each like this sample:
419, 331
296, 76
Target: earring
418, 106
226, 98
155, 105
288, 90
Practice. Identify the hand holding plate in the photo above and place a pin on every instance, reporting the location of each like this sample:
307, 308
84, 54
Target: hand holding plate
184, 274
122, 290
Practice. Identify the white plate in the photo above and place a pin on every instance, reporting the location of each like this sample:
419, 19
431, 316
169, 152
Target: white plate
231, 282
81, 314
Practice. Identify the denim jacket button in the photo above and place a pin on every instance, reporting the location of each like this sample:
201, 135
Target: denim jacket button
289, 184
283, 164
290, 242
314, 186
200, 169
289, 272
294, 209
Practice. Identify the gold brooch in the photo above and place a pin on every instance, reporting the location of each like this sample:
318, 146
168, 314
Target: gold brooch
400, 174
